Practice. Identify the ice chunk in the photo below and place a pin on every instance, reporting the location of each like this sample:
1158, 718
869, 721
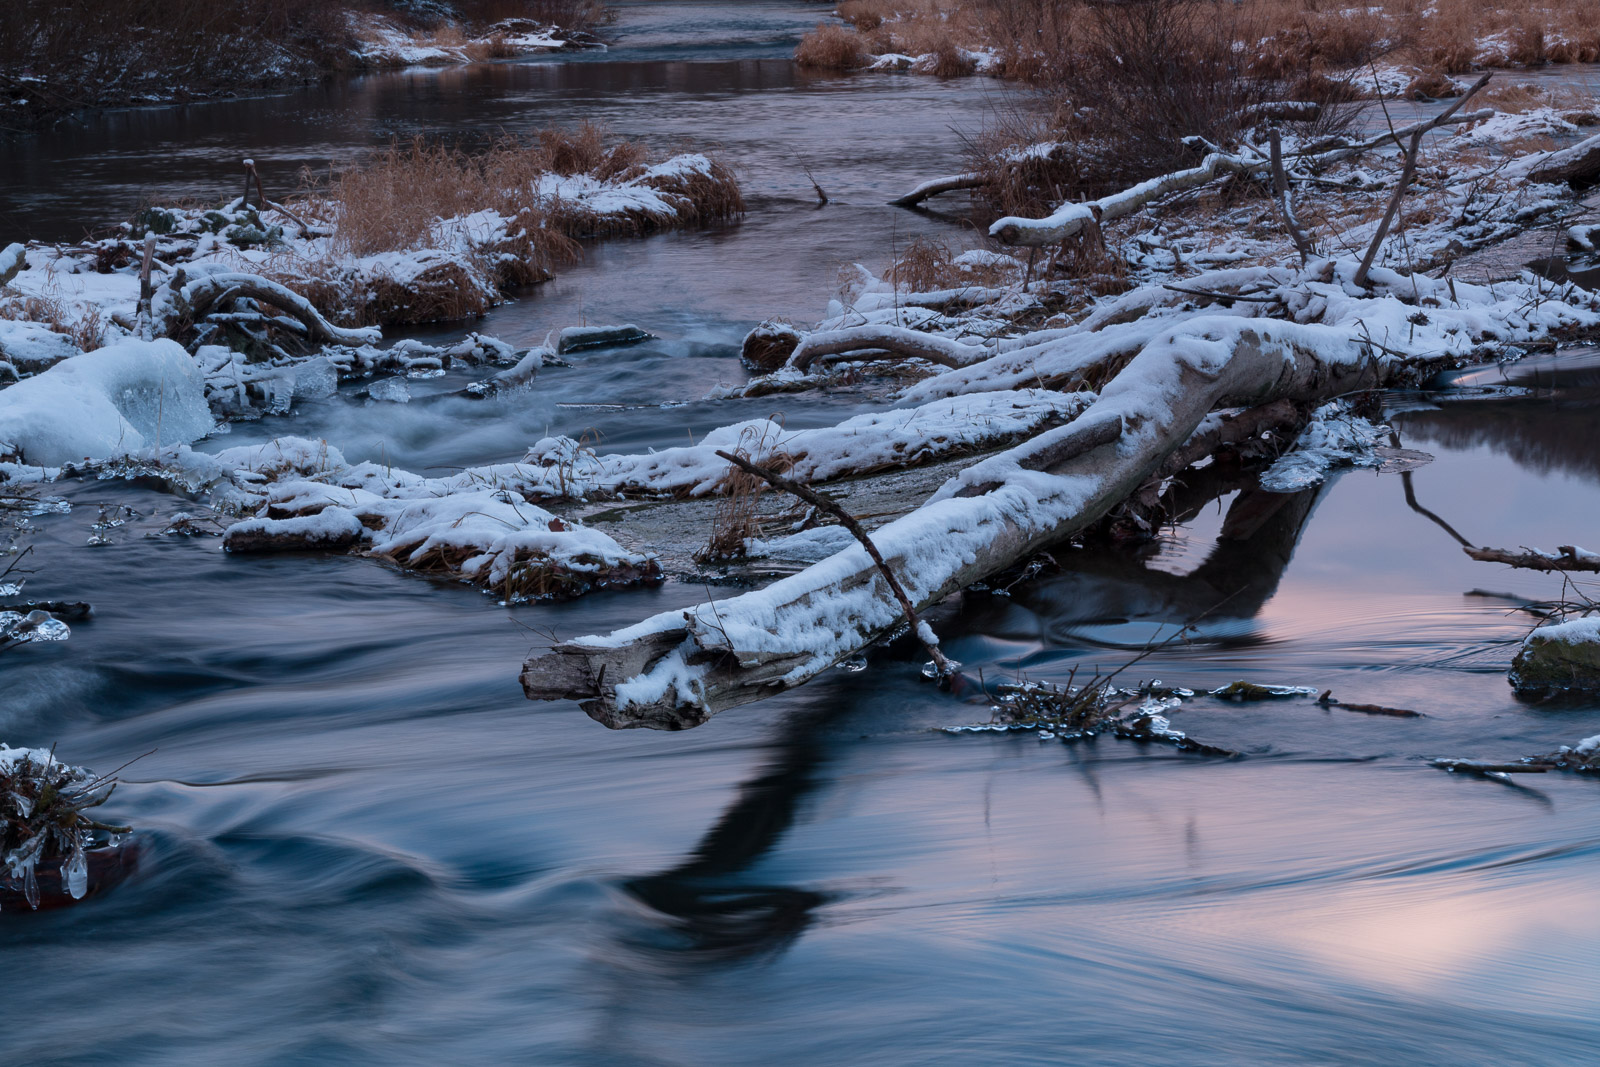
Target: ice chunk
110, 402
393, 390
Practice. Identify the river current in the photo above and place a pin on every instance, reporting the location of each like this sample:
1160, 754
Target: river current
361, 845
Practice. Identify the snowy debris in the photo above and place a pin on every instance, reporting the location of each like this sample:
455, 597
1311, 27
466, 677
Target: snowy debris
1334, 438
44, 819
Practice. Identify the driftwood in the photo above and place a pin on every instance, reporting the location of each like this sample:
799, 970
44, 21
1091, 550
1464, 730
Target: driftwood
871, 341
1070, 219
1579, 163
678, 669
192, 301
1567, 558
948, 184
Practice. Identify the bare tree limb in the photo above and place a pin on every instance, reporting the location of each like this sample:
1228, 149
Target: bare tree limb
848, 521
1407, 173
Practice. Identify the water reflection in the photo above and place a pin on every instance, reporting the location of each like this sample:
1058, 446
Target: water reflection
716, 910
1111, 598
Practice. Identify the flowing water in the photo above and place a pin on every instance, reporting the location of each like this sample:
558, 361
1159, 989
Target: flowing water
362, 845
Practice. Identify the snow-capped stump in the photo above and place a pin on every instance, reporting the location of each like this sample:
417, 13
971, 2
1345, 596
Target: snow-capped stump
1560, 658
769, 345
52, 852
330, 528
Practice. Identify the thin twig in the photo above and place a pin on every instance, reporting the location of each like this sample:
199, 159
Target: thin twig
815, 499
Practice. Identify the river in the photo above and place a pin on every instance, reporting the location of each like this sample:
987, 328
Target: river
363, 846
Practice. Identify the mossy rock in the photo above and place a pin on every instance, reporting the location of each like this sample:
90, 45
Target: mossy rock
1564, 658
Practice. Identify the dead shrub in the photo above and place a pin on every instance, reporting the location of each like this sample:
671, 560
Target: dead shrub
864, 15
1147, 74
830, 47
951, 62
926, 266
733, 521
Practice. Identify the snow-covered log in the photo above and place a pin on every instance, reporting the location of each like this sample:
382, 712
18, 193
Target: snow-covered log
677, 669
196, 298
875, 339
947, 184
1070, 218
1579, 163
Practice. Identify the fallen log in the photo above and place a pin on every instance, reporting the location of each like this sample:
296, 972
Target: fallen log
679, 668
1579, 163
1069, 219
188, 302
873, 340
1566, 558
935, 186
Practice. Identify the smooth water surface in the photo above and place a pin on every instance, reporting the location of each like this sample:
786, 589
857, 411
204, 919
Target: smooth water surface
363, 846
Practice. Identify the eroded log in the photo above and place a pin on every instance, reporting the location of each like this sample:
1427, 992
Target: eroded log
679, 668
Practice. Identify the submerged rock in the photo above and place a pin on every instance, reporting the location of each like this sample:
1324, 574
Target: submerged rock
1562, 658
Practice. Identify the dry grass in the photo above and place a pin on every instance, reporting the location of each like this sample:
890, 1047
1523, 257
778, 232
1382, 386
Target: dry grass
86, 326
1307, 42
830, 47
401, 198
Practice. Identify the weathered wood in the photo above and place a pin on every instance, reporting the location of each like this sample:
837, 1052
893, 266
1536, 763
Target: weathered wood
1280, 192
1567, 558
680, 668
947, 184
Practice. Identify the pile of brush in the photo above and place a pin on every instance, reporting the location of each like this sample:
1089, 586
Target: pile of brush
44, 824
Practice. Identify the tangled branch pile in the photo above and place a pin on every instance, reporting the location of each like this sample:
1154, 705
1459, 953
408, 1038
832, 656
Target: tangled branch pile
43, 819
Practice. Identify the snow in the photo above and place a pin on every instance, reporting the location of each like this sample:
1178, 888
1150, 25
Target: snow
1575, 632
30, 347
898, 437
806, 546
10, 757
114, 401
1334, 438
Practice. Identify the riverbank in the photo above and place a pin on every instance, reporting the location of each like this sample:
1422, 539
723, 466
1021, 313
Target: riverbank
1390, 48
58, 60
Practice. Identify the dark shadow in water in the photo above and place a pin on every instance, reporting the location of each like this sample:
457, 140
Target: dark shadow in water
714, 910
1108, 587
